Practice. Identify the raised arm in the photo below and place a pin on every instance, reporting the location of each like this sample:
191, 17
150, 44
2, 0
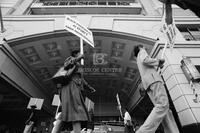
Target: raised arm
71, 61
147, 60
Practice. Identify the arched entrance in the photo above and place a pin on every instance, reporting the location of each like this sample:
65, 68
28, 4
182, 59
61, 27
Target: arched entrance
109, 67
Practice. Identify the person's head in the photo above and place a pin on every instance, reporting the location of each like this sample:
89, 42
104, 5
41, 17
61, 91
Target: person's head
75, 53
137, 49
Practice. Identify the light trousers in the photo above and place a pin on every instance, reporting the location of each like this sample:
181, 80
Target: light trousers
160, 113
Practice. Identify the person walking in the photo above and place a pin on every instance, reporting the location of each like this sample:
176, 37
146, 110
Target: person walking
153, 84
128, 125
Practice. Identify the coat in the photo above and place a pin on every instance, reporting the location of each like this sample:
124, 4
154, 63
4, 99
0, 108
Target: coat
147, 68
72, 101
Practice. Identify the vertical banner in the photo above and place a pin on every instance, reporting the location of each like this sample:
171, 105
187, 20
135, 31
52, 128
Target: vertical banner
56, 102
89, 104
169, 32
118, 101
168, 27
119, 105
81, 50
162, 55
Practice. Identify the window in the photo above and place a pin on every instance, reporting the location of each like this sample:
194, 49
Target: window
46, 3
111, 3
198, 67
72, 3
54, 3
93, 3
101, 3
123, 3
83, 3
63, 3
190, 33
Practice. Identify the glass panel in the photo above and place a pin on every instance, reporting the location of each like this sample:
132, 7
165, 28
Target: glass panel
101, 3
112, 3
72, 3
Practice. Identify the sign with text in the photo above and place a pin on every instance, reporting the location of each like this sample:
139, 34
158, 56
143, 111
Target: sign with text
89, 104
36, 103
79, 30
169, 31
56, 100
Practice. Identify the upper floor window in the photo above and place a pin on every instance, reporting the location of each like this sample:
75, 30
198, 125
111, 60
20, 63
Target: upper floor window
190, 33
198, 67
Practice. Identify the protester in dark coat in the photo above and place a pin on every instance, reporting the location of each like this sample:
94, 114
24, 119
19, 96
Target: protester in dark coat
74, 112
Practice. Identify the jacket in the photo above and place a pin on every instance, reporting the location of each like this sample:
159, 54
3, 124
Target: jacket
147, 68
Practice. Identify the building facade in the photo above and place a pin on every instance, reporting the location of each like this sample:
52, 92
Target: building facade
34, 44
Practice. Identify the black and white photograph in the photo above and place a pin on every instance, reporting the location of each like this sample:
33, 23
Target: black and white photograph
99, 66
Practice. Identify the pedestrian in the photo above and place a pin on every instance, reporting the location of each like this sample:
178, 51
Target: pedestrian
58, 123
128, 125
153, 84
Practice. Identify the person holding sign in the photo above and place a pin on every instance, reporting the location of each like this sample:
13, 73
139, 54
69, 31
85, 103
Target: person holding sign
70, 81
154, 86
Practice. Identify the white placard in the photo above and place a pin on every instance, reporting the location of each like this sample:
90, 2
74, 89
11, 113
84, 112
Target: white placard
89, 104
79, 30
56, 100
37, 102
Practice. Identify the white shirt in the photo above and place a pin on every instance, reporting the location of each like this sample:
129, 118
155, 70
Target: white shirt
127, 117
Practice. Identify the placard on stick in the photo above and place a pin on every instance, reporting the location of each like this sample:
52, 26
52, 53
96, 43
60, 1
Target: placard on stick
89, 104
56, 100
35, 102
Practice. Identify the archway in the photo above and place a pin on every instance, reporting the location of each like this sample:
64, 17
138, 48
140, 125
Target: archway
114, 72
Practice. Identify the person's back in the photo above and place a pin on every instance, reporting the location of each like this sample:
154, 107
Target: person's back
147, 68
155, 89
